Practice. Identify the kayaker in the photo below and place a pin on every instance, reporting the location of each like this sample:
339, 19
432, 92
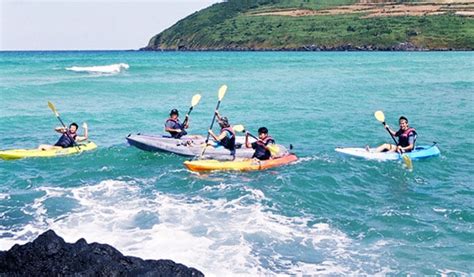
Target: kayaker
174, 127
68, 137
406, 138
261, 150
226, 137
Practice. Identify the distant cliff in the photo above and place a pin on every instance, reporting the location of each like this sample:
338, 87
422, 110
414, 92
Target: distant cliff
323, 25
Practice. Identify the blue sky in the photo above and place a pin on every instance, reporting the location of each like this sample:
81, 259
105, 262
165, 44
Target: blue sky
87, 25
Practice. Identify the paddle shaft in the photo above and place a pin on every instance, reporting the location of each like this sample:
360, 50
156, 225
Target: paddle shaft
212, 122
252, 136
210, 128
394, 140
187, 115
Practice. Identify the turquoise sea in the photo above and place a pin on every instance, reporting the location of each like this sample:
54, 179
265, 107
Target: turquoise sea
325, 214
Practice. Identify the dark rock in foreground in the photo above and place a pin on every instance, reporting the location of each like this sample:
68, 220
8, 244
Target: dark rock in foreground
50, 255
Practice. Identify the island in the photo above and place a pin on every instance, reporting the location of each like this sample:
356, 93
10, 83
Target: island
323, 25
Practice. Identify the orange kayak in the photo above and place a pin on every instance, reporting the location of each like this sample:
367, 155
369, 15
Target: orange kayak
238, 165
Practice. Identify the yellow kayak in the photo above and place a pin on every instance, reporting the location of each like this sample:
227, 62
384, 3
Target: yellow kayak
33, 153
238, 165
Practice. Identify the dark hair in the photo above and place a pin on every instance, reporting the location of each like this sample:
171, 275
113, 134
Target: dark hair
262, 130
404, 118
74, 124
224, 122
174, 111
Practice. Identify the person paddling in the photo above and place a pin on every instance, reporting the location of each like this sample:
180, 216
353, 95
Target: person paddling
69, 137
226, 137
406, 138
174, 127
261, 150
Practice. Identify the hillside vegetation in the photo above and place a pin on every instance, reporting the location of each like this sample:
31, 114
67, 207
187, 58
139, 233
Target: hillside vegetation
323, 25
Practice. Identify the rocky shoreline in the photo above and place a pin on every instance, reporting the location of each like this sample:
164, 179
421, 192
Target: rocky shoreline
50, 255
306, 48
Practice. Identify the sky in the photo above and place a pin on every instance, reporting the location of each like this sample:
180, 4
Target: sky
88, 25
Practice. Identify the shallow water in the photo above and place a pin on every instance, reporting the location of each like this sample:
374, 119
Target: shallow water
324, 214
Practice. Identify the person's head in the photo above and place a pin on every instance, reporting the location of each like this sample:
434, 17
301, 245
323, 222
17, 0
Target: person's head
174, 113
262, 132
403, 121
73, 127
224, 122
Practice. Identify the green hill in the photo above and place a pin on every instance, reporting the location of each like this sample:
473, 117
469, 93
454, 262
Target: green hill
323, 25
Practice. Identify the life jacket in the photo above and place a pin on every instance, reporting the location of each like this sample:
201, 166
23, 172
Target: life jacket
265, 141
403, 137
66, 140
176, 125
228, 143
261, 152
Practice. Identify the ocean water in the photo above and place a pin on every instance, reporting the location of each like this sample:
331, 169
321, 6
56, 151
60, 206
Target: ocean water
325, 214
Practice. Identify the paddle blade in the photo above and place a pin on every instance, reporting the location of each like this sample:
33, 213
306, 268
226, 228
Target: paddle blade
53, 108
222, 92
379, 116
195, 100
408, 162
274, 149
239, 128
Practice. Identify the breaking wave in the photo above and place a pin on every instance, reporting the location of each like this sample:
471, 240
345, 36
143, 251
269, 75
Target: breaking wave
100, 69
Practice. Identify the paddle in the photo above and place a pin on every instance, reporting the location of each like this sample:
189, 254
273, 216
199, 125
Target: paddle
194, 102
380, 116
53, 108
274, 149
220, 96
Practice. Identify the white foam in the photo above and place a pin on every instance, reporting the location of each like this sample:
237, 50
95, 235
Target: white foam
217, 236
100, 69
440, 210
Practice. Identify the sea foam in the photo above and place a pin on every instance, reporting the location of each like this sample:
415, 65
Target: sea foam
100, 69
220, 237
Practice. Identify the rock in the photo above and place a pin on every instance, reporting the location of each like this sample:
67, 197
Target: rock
50, 255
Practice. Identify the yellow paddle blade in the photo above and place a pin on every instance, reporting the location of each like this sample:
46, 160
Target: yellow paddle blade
195, 100
274, 149
379, 116
239, 128
408, 162
222, 92
53, 108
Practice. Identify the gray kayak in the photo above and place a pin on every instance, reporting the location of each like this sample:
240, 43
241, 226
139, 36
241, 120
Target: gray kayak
191, 146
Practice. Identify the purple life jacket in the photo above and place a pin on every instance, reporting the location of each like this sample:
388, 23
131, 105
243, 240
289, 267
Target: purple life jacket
403, 136
228, 143
66, 140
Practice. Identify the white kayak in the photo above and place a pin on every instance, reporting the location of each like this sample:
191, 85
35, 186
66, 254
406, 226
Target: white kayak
192, 146
420, 152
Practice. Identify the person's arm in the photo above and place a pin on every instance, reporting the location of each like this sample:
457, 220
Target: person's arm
60, 130
390, 130
214, 137
222, 135
173, 130
169, 129
404, 149
86, 133
217, 138
218, 115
